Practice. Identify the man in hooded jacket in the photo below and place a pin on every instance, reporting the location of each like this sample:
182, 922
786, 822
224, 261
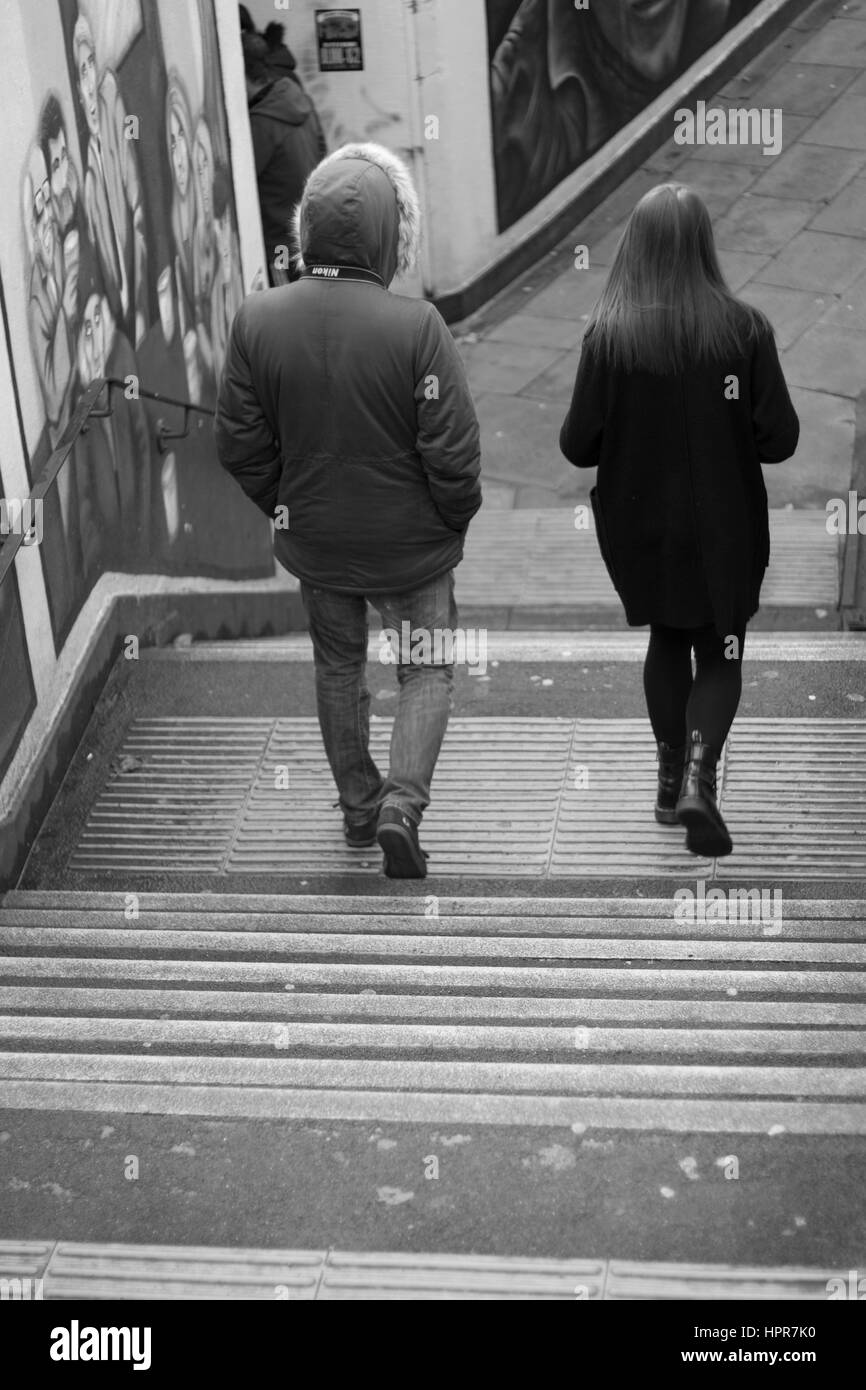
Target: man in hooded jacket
345, 414
287, 144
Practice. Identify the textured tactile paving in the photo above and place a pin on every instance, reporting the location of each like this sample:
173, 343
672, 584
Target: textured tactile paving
512, 797
497, 787
174, 794
795, 798
144, 1272
537, 558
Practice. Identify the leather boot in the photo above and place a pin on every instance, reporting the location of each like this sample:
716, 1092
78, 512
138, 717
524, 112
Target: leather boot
670, 779
706, 832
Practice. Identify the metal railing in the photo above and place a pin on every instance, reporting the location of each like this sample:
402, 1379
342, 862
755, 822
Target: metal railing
88, 409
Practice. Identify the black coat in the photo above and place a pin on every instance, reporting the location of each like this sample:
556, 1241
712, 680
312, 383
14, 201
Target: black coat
349, 405
680, 502
287, 143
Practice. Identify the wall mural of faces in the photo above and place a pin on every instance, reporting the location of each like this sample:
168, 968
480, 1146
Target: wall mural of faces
563, 80
133, 271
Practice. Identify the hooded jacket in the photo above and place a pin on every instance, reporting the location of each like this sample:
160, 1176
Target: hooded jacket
347, 404
287, 143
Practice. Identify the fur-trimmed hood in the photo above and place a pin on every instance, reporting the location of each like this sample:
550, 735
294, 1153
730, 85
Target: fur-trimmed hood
359, 208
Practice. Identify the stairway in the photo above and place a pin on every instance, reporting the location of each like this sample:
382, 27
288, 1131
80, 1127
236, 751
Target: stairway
581, 1012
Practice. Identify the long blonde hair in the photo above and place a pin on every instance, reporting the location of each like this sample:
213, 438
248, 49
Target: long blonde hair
666, 304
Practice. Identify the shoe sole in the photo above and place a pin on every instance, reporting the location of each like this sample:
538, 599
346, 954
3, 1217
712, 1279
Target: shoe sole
402, 858
666, 817
704, 835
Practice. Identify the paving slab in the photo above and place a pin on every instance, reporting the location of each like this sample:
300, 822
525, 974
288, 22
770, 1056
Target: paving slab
846, 212
719, 185
790, 312
811, 172
763, 226
793, 128
741, 267
840, 41
849, 310
572, 295
556, 382
805, 89
828, 358
536, 330
520, 439
842, 126
503, 367
819, 261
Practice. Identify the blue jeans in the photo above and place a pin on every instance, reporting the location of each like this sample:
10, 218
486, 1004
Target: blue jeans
339, 630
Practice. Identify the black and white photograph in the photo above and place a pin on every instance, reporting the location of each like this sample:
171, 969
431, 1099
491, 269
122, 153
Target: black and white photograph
433, 670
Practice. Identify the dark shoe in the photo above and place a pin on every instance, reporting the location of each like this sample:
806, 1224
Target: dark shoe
670, 780
398, 836
706, 832
360, 836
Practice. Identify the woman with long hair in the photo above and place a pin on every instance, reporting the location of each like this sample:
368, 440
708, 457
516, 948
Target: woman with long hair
679, 399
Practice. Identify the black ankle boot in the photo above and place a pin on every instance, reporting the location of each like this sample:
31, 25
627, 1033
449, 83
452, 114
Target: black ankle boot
670, 780
706, 832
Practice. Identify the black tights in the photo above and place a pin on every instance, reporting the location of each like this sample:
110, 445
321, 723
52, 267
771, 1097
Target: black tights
679, 702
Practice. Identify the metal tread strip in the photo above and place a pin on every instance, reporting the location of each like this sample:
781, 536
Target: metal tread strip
290, 1036
461, 1077
672, 1114
452, 1008
430, 907
437, 976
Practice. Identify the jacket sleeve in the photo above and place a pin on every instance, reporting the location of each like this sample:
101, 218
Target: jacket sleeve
263, 142
581, 434
246, 446
774, 419
448, 438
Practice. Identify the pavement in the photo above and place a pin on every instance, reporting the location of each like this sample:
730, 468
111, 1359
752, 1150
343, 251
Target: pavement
791, 231
424, 1099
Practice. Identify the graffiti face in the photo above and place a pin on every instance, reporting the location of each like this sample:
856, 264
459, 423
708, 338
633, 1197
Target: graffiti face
93, 339
87, 86
42, 212
648, 34
179, 154
61, 181
204, 175
223, 230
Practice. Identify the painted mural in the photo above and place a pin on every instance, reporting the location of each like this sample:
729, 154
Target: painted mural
133, 272
564, 79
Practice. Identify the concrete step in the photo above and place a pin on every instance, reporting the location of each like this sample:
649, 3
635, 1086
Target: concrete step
586, 1012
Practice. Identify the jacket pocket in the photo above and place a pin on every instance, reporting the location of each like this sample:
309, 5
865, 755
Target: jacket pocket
602, 536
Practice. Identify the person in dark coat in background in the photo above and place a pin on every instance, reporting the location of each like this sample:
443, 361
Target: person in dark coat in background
679, 399
347, 408
280, 59
287, 143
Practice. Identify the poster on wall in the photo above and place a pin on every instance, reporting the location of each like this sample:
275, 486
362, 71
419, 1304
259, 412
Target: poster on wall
564, 79
338, 34
132, 271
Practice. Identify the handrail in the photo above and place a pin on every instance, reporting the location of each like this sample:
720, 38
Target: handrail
86, 410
